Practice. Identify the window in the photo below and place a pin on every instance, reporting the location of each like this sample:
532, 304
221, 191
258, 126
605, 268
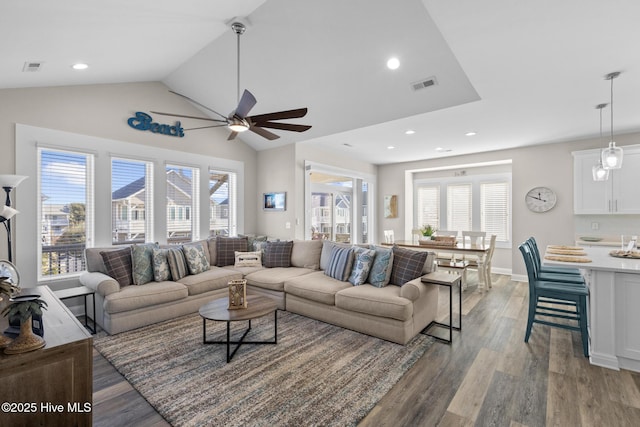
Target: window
459, 206
494, 211
428, 206
131, 190
182, 192
476, 202
66, 210
222, 203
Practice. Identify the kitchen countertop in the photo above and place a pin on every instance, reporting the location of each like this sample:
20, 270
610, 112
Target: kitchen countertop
601, 260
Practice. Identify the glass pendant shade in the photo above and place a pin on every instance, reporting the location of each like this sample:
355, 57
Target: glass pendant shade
11, 181
612, 157
599, 173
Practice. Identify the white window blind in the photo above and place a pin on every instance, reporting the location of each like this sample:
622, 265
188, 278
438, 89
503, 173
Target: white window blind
182, 193
459, 207
222, 203
131, 201
65, 181
494, 209
428, 206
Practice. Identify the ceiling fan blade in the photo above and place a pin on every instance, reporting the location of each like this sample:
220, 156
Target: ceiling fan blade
197, 103
232, 135
188, 117
284, 126
246, 104
263, 132
205, 127
280, 115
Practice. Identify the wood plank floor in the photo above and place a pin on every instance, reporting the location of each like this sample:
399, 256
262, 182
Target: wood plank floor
487, 377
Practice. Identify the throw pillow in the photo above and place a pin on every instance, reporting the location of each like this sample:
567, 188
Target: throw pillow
142, 260
325, 254
380, 273
361, 265
306, 254
118, 265
248, 259
407, 265
340, 263
204, 244
161, 270
278, 254
196, 258
226, 248
177, 263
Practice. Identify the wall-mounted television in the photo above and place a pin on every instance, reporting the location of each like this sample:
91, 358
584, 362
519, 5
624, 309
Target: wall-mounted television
276, 201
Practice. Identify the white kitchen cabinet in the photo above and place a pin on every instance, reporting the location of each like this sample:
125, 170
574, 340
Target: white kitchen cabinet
627, 315
617, 195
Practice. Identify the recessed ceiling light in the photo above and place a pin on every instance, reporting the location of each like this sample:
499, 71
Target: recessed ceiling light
391, 147
79, 66
472, 133
410, 132
443, 150
393, 63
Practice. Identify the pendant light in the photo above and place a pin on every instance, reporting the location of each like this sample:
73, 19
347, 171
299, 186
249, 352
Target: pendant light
598, 171
612, 156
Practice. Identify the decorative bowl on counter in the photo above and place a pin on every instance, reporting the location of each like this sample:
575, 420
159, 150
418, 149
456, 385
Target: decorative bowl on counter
590, 239
625, 254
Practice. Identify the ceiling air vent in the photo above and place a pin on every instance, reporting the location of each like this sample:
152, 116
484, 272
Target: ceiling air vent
424, 83
31, 66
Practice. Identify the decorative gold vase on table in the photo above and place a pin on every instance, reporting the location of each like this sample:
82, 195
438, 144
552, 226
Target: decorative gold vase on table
26, 341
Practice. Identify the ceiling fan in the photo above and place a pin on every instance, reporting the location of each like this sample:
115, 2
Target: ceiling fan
238, 121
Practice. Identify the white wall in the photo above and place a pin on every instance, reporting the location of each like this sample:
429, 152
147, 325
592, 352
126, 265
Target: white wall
549, 165
102, 111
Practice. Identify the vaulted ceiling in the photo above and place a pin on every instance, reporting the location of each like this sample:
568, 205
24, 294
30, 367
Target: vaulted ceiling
515, 73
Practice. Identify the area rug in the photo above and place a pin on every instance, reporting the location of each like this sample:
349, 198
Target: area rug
317, 374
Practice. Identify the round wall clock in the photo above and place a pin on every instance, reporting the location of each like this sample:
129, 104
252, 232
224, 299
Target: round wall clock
540, 199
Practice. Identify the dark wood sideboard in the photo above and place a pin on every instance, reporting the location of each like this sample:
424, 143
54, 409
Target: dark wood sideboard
51, 386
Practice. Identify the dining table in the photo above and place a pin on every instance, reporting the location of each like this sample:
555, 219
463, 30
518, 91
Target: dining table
459, 248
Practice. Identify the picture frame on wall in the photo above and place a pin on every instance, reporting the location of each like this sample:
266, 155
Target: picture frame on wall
274, 201
391, 206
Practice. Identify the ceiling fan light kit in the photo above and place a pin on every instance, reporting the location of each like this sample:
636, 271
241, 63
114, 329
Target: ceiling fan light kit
238, 121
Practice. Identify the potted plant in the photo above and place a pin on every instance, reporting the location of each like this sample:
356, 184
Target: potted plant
7, 290
427, 231
24, 307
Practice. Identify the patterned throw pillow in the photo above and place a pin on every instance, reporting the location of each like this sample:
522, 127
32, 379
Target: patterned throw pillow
142, 259
177, 263
407, 265
361, 265
196, 258
278, 254
161, 271
340, 263
118, 265
226, 248
380, 273
248, 259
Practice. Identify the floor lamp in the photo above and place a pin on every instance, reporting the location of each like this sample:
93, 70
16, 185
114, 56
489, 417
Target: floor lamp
8, 183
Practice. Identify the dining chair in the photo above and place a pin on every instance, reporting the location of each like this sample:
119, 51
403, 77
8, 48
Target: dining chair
476, 238
545, 296
388, 236
416, 235
484, 266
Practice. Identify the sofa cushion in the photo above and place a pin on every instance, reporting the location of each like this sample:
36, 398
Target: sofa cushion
118, 265
362, 262
306, 254
278, 254
243, 270
142, 261
213, 255
226, 248
274, 278
325, 254
340, 263
315, 286
161, 270
380, 273
177, 263
407, 265
135, 297
196, 259
382, 302
212, 279
248, 259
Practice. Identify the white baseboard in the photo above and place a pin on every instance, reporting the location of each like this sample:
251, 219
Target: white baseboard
519, 278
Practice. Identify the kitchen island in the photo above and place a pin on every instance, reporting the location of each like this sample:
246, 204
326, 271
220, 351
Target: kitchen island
614, 308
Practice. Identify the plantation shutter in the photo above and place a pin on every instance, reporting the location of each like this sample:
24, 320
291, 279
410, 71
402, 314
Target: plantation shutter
494, 215
428, 206
459, 207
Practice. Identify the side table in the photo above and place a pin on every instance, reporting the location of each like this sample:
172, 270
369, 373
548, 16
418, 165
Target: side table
79, 291
450, 280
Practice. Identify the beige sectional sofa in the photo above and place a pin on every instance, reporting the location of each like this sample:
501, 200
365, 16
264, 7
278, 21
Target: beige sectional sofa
394, 313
